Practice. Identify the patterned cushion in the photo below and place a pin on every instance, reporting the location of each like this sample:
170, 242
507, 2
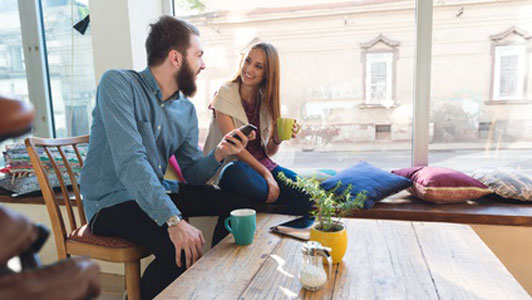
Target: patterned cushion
442, 185
84, 235
507, 183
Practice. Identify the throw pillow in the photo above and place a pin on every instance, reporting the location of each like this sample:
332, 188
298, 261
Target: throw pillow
377, 183
442, 185
507, 183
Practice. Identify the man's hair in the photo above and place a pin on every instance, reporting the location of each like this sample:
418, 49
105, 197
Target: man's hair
168, 33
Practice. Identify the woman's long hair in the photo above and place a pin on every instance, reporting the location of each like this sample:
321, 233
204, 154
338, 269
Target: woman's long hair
270, 85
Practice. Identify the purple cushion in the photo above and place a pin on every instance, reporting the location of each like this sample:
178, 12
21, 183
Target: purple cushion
442, 185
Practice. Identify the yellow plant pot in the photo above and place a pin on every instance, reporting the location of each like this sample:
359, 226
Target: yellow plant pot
337, 241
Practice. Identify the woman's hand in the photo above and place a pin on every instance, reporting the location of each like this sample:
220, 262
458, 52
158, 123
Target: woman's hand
295, 129
273, 188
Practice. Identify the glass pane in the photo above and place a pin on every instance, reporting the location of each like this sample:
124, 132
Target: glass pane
378, 69
70, 65
508, 75
12, 68
469, 129
322, 47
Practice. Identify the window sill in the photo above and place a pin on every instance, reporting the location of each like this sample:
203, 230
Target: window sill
365, 106
507, 102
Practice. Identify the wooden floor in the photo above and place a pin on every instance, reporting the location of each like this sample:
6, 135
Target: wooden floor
112, 286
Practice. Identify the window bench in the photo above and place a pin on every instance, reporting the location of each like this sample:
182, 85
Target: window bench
402, 206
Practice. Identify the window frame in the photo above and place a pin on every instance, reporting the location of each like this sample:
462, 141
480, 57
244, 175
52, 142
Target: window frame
500, 51
380, 46
385, 57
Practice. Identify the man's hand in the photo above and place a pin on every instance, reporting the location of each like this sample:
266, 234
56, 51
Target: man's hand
70, 279
230, 145
273, 188
17, 234
189, 239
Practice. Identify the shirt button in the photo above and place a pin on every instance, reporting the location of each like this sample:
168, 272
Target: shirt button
162, 105
159, 127
159, 166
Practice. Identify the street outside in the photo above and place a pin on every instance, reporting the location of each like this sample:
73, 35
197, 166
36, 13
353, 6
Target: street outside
465, 161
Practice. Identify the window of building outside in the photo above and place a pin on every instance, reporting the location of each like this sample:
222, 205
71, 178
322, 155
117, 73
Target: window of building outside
70, 66
379, 78
509, 74
481, 100
340, 66
12, 69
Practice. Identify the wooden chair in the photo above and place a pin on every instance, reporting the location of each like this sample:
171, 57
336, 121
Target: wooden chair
79, 240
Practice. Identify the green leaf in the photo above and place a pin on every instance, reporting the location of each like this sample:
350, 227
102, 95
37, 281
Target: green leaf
328, 205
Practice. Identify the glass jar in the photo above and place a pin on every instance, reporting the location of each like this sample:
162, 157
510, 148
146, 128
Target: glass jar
312, 273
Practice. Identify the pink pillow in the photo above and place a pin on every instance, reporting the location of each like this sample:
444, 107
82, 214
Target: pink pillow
177, 169
442, 185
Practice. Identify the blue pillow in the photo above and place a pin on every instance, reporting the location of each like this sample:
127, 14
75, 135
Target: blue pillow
376, 182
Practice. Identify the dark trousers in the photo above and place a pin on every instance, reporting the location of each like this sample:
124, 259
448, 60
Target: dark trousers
129, 221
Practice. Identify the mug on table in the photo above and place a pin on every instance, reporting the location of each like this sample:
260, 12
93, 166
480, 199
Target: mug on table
243, 225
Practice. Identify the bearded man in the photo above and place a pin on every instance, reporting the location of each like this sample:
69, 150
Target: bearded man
140, 120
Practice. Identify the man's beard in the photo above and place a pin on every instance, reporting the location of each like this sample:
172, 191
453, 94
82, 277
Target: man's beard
186, 80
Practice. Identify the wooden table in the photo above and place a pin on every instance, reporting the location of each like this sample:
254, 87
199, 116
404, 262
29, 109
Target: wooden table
384, 260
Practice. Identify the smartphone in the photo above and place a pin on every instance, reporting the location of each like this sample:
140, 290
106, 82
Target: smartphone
299, 223
298, 228
246, 130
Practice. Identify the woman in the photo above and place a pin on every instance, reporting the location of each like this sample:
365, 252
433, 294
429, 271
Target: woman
253, 97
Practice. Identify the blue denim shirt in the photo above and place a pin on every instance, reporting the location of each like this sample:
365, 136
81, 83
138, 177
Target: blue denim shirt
133, 134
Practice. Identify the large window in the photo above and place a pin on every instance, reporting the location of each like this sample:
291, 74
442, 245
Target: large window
12, 69
70, 66
12, 66
341, 74
59, 76
481, 106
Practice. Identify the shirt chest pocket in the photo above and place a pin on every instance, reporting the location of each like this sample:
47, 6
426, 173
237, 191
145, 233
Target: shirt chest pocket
148, 140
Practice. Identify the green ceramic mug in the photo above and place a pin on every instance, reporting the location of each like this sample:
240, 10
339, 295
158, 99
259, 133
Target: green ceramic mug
243, 225
284, 128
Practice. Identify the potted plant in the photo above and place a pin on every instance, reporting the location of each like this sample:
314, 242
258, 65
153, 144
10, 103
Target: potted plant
329, 208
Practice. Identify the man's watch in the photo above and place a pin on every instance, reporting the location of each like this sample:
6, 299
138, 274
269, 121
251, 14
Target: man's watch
173, 221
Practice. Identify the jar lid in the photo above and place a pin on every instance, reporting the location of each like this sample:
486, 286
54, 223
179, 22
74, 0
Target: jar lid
314, 248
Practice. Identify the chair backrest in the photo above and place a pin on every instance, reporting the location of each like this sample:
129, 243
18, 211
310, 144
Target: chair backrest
55, 152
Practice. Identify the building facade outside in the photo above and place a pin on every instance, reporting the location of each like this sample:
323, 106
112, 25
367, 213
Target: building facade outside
347, 70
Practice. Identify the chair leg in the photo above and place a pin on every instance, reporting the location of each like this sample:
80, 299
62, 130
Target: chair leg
133, 280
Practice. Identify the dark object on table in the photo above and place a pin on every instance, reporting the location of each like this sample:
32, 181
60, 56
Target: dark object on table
16, 118
298, 228
29, 258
